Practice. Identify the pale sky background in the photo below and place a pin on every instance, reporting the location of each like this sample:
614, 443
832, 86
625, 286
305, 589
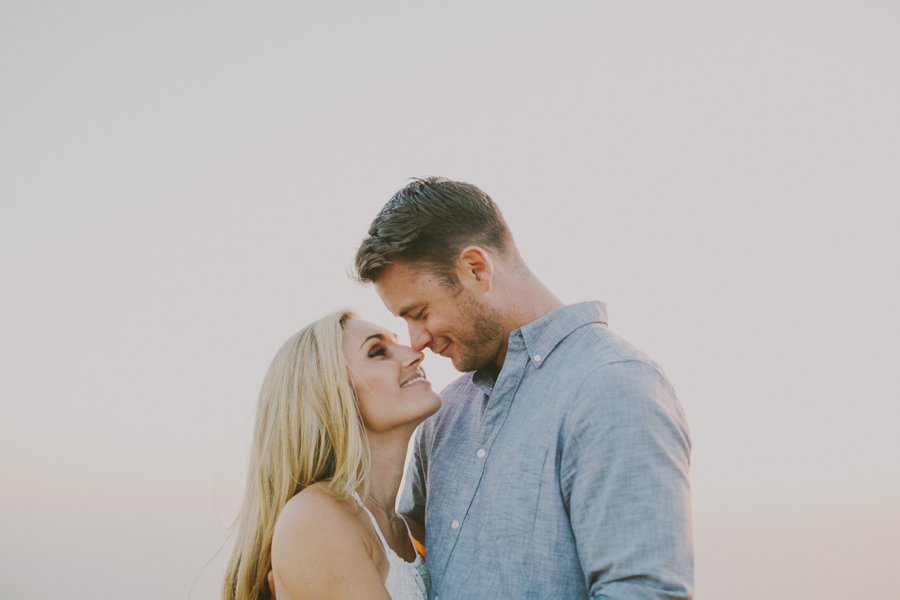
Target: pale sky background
183, 186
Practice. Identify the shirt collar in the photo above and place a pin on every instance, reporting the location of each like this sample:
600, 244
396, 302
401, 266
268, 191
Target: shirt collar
540, 337
543, 335
485, 379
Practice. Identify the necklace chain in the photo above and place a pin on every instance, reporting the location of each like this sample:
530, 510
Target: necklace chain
392, 517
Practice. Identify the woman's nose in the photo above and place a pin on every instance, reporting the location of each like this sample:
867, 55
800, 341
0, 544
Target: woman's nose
413, 357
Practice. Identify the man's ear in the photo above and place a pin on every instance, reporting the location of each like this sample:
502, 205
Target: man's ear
475, 266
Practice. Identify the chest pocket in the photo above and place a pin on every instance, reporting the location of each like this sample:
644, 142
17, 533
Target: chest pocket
513, 505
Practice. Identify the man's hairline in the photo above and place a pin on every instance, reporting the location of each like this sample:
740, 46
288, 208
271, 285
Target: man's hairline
419, 268
429, 267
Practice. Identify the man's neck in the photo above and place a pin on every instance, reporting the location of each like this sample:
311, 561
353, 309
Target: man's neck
525, 300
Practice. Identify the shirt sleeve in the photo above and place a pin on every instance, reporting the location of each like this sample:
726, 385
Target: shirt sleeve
624, 475
412, 495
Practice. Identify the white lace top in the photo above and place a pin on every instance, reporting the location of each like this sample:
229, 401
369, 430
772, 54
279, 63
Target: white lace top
405, 580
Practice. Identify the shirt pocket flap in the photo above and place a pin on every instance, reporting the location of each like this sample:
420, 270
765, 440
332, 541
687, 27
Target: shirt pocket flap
514, 510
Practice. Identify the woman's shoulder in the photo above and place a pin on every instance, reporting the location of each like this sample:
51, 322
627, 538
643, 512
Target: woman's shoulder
314, 510
321, 544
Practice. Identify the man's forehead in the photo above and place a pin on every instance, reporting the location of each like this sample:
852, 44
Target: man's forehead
403, 285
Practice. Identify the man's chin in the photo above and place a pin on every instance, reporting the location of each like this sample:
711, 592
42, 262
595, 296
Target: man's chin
459, 362
465, 361
466, 364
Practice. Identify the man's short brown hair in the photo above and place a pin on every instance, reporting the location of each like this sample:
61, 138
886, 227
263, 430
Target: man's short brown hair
427, 223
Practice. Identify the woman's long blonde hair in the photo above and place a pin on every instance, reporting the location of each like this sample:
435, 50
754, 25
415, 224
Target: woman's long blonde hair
308, 430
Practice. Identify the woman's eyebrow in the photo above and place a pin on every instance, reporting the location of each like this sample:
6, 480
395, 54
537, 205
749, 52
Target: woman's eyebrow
377, 336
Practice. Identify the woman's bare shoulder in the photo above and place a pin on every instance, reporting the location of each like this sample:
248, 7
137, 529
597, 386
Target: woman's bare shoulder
320, 545
314, 510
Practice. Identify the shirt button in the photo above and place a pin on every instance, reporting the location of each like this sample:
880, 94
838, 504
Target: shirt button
454, 524
538, 358
480, 453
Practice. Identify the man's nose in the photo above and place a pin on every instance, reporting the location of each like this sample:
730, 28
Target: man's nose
413, 358
418, 337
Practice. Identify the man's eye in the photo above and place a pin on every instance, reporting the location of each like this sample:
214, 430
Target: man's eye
377, 351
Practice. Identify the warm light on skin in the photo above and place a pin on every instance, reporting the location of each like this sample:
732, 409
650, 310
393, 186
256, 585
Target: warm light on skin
175, 203
391, 390
454, 322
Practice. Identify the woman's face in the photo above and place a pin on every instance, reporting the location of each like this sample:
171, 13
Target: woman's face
389, 381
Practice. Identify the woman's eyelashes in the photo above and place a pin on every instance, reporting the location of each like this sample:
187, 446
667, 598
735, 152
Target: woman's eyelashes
377, 350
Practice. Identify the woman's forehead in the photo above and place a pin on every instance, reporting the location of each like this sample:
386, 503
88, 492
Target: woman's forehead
358, 329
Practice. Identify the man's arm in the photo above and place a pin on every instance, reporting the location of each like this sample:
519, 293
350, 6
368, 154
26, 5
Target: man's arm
413, 494
624, 474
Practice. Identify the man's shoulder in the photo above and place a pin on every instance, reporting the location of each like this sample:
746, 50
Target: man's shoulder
610, 373
617, 379
594, 346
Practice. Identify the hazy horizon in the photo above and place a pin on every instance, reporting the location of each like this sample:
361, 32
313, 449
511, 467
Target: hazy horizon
184, 185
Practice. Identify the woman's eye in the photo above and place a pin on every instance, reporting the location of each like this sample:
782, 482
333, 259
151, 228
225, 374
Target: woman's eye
377, 351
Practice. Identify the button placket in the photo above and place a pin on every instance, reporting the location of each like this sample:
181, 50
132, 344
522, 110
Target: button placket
493, 415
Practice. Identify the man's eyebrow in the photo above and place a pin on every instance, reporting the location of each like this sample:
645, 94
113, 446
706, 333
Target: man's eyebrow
376, 336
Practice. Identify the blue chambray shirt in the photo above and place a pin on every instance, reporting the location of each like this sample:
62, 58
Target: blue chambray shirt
563, 476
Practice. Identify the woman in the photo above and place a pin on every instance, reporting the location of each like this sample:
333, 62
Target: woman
336, 412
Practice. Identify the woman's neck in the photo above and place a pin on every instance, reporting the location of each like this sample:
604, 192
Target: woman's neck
388, 453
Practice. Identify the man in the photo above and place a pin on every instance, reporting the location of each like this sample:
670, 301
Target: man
558, 465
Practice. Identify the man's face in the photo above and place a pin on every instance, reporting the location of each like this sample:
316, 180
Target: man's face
452, 321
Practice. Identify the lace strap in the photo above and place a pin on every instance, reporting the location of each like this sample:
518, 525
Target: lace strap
387, 546
372, 518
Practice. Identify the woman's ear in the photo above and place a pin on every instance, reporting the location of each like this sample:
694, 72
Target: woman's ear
475, 267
